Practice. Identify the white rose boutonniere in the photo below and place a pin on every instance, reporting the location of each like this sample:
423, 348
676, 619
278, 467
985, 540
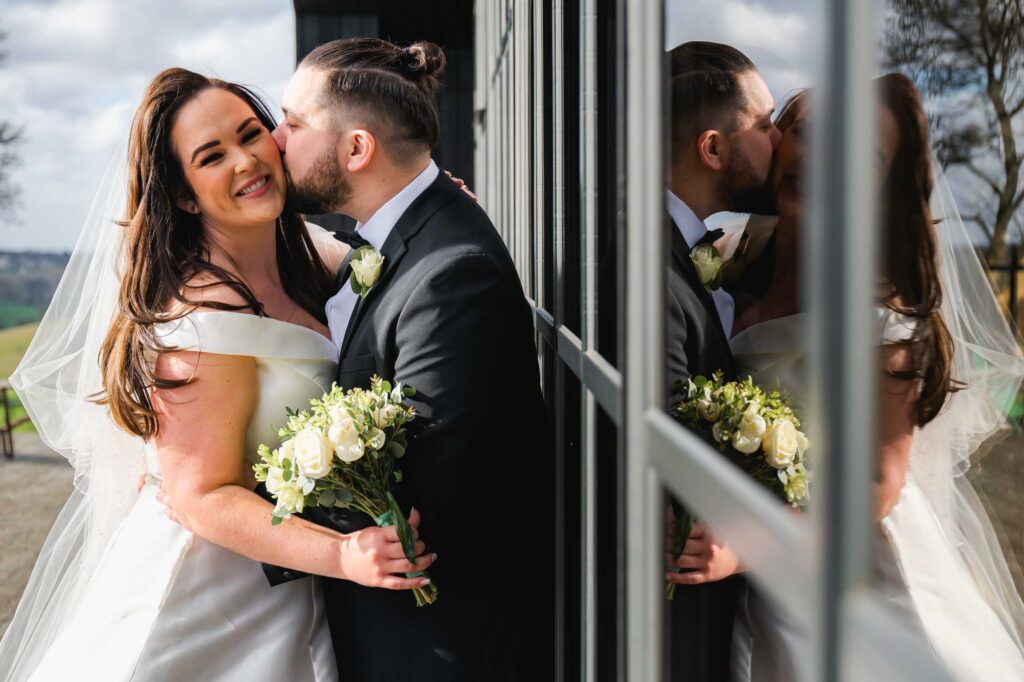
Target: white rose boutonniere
708, 262
366, 265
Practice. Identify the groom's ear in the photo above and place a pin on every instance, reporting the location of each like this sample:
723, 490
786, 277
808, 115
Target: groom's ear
709, 148
360, 147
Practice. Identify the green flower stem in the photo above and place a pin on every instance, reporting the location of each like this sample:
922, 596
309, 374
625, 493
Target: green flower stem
379, 512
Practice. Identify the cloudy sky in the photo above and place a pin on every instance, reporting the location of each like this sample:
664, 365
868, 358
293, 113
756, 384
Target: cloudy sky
75, 72
777, 35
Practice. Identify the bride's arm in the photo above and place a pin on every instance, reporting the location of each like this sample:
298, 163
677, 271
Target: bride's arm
896, 417
201, 445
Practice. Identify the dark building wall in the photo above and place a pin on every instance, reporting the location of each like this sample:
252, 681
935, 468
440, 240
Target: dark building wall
448, 23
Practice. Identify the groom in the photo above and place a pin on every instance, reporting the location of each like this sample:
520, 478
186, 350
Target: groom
447, 316
721, 154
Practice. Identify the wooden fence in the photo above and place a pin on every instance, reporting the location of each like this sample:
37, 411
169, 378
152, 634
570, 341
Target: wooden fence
8, 424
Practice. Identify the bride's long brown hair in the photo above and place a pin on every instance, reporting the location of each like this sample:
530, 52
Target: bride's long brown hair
164, 252
910, 250
909, 243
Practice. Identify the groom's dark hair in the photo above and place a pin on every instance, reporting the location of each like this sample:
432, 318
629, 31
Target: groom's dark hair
390, 89
706, 92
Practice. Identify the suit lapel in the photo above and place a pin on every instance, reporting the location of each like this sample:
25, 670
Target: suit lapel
438, 194
681, 255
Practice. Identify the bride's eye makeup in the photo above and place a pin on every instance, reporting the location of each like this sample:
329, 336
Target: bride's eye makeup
210, 159
251, 135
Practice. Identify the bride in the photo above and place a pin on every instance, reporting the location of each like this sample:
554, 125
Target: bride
949, 368
174, 343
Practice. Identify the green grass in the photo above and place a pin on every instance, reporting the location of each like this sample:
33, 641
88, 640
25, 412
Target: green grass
12, 314
13, 343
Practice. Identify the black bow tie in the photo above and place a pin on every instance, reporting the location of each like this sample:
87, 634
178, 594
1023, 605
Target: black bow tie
352, 239
710, 237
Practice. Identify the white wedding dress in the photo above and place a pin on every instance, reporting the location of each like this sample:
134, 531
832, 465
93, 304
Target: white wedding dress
919, 573
164, 604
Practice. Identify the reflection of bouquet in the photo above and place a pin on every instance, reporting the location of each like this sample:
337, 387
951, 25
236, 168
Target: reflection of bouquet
342, 453
754, 428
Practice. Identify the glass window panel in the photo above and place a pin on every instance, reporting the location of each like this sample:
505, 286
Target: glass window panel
570, 283
952, 541
610, 550
547, 298
568, 432
735, 304
608, 150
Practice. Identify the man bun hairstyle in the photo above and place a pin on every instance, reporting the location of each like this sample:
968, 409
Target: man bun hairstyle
706, 92
389, 89
426, 62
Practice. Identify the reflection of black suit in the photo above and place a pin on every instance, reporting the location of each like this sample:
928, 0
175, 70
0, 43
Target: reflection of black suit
701, 616
449, 318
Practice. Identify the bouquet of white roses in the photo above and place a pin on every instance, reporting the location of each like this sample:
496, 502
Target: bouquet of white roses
342, 452
755, 428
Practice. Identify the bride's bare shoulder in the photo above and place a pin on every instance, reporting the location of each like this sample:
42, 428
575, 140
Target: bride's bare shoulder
207, 291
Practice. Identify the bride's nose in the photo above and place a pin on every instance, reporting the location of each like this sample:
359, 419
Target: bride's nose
244, 161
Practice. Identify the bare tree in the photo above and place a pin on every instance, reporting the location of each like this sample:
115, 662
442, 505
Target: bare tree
970, 52
10, 135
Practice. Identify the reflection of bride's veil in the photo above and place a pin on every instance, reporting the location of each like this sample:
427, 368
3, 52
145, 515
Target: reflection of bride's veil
55, 381
988, 361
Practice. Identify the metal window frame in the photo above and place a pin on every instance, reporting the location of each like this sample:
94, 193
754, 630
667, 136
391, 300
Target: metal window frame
815, 566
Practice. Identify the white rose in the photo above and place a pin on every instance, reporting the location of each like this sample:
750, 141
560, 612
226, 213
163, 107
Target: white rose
383, 416
780, 443
377, 439
708, 263
744, 444
287, 450
716, 431
367, 267
802, 443
752, 425
344, 436
312, 453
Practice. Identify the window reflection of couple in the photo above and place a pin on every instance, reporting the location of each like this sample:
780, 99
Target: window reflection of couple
948, 364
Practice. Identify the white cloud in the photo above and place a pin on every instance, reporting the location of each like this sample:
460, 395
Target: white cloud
777, 36
76, 70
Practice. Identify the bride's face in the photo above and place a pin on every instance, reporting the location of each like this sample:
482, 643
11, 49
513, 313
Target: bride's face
788, 171
229, 160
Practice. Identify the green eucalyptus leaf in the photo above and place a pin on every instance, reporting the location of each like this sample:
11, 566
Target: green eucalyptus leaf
405, 534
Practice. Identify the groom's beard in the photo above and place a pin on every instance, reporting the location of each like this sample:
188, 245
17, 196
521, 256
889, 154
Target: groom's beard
741, 190
323, 190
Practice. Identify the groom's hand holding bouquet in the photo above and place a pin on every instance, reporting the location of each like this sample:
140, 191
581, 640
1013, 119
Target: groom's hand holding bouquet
342, 452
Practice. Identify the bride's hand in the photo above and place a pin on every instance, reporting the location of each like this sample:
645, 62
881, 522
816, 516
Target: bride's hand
708, 558
461, 184
373, 556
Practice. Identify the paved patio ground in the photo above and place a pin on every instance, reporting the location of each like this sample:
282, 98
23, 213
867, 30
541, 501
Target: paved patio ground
33, 488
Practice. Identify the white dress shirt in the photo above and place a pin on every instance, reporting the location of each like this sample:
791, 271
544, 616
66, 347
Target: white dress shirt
693, 230
375, 231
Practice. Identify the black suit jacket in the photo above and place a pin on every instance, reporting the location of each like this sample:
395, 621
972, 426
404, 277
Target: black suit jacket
699, 632
448, 317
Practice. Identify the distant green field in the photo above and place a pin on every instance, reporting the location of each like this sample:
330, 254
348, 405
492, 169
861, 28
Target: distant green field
13, 343
13, 314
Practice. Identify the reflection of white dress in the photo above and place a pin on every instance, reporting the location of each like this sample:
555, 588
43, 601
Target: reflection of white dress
167, 605
919, 574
